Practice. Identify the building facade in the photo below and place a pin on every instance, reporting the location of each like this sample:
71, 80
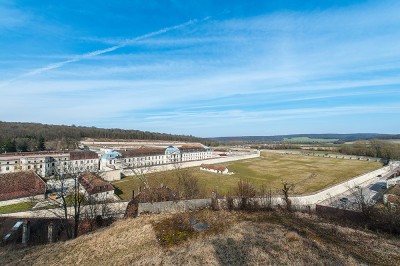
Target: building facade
49, 163
153, 156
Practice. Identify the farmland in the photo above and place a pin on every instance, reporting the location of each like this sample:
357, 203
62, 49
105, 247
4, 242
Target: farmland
308, 174
308, 140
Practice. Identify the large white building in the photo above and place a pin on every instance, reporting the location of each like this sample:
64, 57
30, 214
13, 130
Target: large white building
49, 163
151, 156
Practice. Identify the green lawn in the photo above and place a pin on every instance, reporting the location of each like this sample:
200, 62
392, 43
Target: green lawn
23, 206
307, 173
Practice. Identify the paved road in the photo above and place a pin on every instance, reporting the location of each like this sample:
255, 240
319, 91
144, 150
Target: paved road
372, 191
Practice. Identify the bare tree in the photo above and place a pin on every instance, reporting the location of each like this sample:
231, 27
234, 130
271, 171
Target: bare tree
245, 189
71, 196
188, 186
364, 202
286, 189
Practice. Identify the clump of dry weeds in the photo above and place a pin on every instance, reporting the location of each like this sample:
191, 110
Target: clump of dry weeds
175, 229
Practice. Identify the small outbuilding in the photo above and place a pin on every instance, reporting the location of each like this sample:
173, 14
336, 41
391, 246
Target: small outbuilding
218, 169
96, 187
392, 196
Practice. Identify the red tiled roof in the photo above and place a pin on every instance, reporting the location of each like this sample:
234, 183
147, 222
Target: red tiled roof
94, 184
393, 199
213, 167
144, 151
83, 155
20, 184
395, 190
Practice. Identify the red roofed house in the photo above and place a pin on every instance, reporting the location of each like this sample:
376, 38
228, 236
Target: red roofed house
95, 187
392, 195
21, 185
218, 169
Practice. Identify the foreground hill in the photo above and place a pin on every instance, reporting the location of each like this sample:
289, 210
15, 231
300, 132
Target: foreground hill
232, 239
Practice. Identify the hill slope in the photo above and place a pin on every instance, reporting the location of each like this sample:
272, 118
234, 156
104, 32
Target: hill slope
340, 137
26, 136
233, 239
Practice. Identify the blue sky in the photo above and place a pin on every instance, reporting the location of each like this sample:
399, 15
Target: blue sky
205, 68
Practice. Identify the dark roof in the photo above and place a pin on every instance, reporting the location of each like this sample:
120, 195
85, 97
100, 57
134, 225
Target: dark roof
20, 185
191, 147
93, 184
83, 155
214, 167
144, 151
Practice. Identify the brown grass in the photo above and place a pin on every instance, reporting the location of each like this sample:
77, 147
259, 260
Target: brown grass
308, 174
246, 239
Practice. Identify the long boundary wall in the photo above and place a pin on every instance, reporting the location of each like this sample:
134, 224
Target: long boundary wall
329, 155
166, 167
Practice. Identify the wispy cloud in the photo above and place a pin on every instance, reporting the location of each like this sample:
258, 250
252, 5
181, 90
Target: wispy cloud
11, 17
264, 74
101, 51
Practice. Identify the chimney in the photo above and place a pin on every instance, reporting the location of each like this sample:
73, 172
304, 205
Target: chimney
26, 232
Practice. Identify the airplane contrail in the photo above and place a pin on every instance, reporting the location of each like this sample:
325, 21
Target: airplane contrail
102, 51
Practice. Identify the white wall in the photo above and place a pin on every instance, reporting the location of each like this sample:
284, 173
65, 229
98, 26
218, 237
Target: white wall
111, 175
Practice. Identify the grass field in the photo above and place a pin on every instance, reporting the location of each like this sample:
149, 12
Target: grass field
308, 140
23, 206
307, 173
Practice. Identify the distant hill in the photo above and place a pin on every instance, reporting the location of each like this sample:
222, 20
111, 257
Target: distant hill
31, 136
311, 137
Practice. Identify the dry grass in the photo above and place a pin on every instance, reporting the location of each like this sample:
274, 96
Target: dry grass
247, 239
308, 173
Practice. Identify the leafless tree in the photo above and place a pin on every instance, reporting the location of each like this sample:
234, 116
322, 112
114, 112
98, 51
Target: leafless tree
188, 186
71, 196
245, 189
286, 189
96, 211
363, 202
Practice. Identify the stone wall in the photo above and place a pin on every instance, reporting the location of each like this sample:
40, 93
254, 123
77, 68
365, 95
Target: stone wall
111, 175
173, 206
330, 155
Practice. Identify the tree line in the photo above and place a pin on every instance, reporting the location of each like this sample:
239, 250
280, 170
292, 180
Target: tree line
373, 148
22, 137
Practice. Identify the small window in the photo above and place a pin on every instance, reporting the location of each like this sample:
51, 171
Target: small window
7, 168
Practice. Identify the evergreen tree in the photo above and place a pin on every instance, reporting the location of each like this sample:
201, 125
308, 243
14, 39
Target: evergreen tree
41, 144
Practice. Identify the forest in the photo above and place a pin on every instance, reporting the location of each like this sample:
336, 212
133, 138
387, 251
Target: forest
21, 137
